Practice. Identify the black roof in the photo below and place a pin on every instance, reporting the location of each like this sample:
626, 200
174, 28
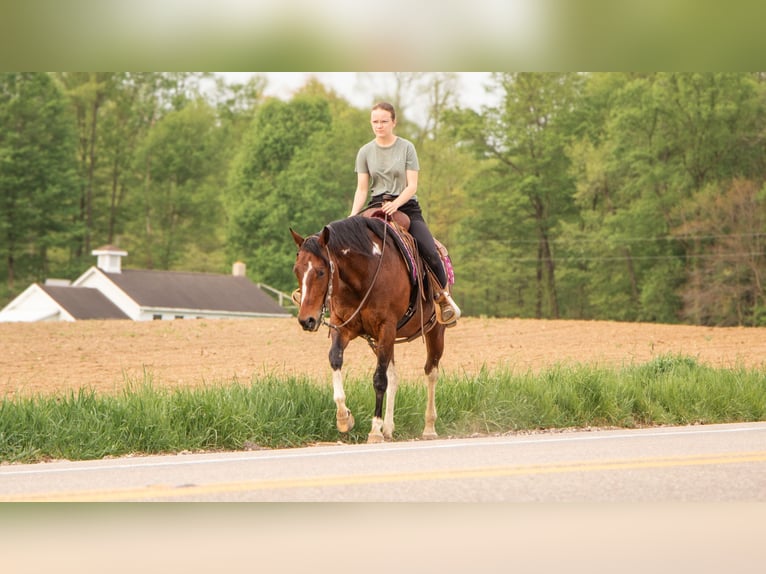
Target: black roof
84, 302
187, 290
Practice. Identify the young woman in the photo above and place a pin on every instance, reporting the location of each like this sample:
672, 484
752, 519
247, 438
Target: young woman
387, 169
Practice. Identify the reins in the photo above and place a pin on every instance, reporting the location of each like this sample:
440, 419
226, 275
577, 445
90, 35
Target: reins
328, 297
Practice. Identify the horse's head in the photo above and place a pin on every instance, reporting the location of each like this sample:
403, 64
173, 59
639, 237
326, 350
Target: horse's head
312, 269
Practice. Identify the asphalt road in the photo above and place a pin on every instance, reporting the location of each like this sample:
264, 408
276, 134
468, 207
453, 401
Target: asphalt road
713, 463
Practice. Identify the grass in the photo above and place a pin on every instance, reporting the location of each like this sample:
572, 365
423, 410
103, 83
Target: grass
272, 412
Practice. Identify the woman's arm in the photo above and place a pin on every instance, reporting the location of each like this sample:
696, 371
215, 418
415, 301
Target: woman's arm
360, 195
406, 194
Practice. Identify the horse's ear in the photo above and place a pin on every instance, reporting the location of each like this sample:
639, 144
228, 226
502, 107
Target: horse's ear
297, 238
324, 236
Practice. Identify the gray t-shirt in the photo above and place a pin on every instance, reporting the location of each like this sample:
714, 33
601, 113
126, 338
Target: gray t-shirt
387, 166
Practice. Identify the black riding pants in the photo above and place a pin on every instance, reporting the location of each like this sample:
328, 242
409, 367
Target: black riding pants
425, 240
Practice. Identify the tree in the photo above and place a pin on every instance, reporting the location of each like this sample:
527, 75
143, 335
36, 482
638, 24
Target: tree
443, 165
258, 210
87, 91
320, 180
526, 186
38, 180
726, 286
619, 185
114, 112
236, 105
181, 207
652, 143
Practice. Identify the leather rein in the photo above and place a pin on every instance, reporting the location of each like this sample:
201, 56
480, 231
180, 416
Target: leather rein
326, 306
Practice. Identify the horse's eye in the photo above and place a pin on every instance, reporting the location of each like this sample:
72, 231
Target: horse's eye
320, 273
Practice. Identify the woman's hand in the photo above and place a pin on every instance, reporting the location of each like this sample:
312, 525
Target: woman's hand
389, 207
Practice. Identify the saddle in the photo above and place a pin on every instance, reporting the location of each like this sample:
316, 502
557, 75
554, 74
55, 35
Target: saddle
422, 279
401, 219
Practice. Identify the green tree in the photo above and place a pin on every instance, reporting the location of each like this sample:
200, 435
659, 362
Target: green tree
617, 125
87, 92
114, 112
38, 183
236, 104
259, 209
525, 190
650, 143
180, 217
443, 166
320, 180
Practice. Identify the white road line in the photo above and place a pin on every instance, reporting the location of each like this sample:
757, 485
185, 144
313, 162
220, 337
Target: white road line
387, 448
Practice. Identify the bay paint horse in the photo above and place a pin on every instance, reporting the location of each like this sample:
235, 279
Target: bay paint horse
354, 271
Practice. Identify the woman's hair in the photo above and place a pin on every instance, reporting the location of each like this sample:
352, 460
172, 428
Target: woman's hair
385, 106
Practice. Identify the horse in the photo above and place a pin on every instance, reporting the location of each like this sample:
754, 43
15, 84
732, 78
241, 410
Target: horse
354, 271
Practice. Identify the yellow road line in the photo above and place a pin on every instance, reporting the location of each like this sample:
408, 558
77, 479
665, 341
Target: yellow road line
165, 491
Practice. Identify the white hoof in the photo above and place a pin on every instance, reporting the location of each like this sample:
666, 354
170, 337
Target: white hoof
344, 424
375, 438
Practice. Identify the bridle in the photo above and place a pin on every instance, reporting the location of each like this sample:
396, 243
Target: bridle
326, 305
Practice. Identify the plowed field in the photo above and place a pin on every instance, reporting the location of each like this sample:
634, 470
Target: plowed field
104, 355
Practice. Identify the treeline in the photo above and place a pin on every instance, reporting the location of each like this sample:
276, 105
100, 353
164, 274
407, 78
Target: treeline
624, 196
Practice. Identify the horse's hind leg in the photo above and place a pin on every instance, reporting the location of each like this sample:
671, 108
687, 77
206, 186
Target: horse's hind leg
380, 383
435, 349
344, 420
429, 431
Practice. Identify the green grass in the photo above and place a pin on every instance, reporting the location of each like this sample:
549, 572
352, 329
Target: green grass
275, 412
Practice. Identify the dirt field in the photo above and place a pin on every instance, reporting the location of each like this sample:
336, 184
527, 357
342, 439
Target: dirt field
46, 357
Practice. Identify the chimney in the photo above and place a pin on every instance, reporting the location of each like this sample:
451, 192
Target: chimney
109, 258
238, 269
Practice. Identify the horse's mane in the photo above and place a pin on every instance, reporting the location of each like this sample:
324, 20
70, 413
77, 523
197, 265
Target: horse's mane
349, 233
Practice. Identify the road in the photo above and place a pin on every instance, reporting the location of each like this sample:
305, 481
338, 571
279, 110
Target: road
715, 463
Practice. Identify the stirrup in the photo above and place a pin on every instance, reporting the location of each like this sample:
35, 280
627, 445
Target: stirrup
447, 311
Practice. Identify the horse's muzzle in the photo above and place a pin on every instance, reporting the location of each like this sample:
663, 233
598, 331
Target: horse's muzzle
309, 323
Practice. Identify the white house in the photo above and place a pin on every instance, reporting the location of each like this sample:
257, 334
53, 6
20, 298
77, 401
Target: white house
106, 291
54, 302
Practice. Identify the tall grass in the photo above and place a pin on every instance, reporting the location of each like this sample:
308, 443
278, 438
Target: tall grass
271, 412
667, 390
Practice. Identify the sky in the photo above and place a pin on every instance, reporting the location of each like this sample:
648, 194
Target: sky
358, 88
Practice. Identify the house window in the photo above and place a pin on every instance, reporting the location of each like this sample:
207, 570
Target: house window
156, 317
179, 317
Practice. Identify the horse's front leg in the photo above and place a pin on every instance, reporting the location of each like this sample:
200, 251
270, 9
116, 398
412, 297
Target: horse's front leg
393, 385
344, 420
380, 383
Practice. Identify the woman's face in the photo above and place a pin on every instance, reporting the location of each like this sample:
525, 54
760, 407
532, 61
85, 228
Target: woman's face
382, 124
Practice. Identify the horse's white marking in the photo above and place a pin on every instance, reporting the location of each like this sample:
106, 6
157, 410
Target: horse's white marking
377, 425
393, 384
305, 283
376, 249
429, 431
337, 386
346, 251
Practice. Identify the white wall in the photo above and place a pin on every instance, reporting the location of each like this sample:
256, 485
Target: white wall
32, 305
95, 278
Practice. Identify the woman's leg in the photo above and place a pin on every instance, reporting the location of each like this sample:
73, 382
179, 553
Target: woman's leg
447, 310
427, 248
